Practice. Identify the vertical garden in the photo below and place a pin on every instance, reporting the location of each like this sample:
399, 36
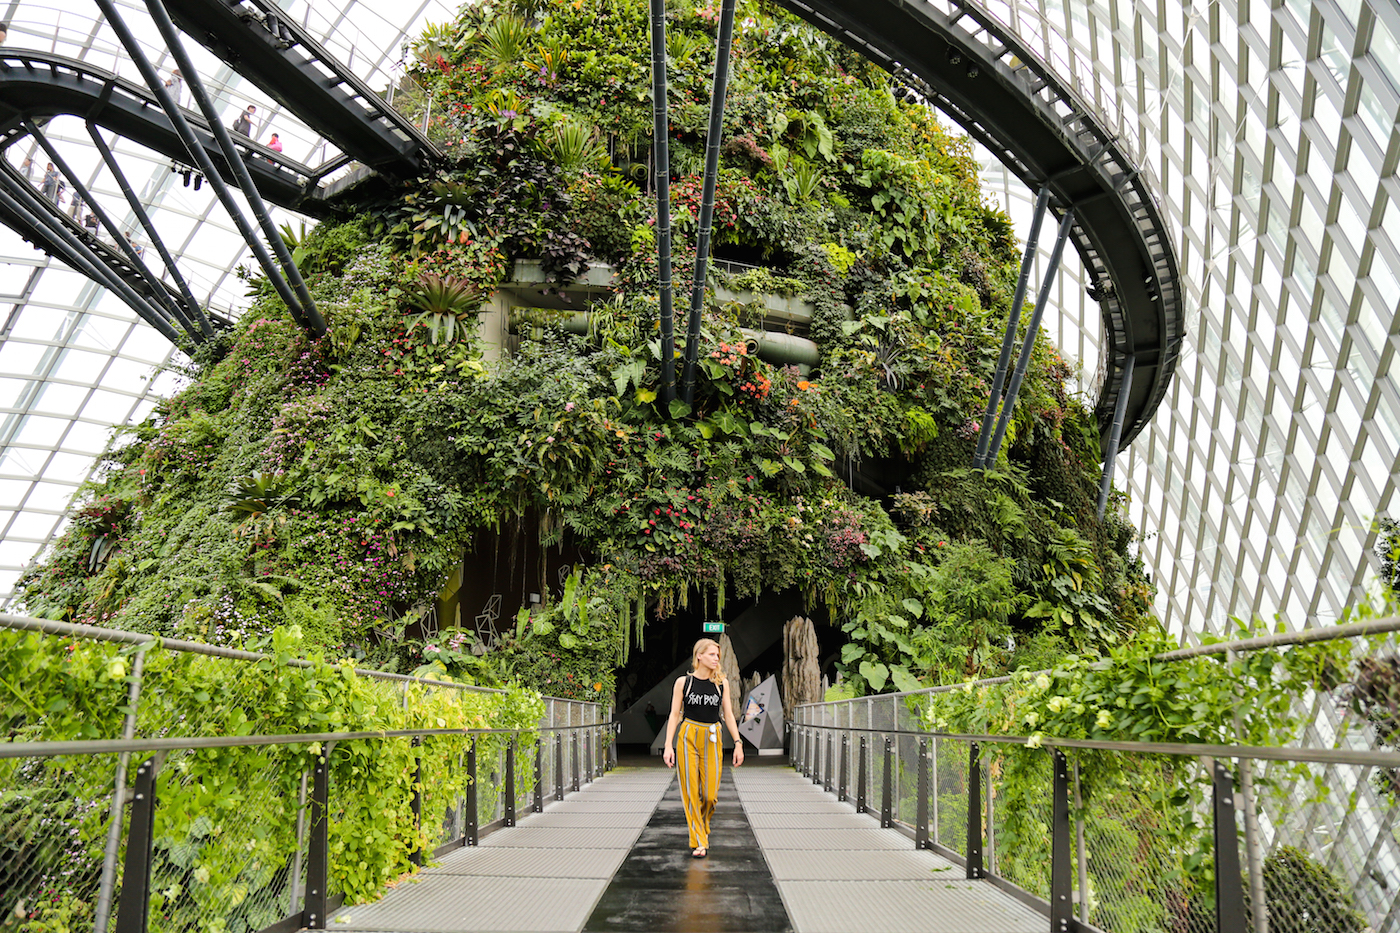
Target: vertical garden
338, 483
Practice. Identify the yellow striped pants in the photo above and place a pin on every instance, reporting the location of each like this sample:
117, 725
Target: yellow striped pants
699, 752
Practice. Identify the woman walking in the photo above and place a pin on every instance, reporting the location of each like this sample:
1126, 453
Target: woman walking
698, 702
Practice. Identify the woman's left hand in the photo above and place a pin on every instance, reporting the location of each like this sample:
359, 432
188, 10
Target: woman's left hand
738, 754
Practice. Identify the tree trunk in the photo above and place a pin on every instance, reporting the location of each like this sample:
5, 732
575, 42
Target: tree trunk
801, 664
731, 672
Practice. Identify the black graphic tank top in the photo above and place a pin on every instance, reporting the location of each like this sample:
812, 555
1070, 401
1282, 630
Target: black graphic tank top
701, 699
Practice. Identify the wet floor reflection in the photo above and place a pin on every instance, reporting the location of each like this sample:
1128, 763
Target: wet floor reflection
660, 888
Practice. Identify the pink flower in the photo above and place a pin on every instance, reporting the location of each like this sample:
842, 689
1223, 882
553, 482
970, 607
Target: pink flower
569, 406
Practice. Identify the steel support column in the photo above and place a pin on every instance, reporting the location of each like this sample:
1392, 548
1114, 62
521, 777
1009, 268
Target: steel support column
720, 90
1009, 341
1115, 434
1032, 329
78, 255
187, 316
196, 151
307, 307
157, 243
661, 154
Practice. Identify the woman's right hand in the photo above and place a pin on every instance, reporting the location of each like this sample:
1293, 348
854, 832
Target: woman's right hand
669, 756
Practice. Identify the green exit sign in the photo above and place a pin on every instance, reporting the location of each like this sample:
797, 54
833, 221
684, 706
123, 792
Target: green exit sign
714, 628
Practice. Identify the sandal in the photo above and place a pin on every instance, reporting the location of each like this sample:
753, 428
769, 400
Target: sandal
700, 852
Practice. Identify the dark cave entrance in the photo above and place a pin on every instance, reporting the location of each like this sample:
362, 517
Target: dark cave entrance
755, 629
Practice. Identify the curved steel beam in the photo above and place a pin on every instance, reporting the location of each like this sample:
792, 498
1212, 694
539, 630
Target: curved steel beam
257, 40
39, 86
976, 71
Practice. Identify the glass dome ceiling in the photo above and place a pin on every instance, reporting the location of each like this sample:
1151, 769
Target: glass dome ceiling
74, 359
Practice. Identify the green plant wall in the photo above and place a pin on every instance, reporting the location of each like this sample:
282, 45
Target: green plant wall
336, 483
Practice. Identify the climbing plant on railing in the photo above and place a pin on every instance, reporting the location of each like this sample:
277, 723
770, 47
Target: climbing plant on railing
1131, 694
219, 846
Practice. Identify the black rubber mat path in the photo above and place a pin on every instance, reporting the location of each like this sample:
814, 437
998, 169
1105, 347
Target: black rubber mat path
660, 889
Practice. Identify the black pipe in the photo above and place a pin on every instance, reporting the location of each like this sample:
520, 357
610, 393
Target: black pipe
196, 151
1115, 433
984, 436
662, 150
140, 211
159, 294
78, 255
240, 169
1033, 328
723, 45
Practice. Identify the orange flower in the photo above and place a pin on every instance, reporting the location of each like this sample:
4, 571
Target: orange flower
804, 385
598, 686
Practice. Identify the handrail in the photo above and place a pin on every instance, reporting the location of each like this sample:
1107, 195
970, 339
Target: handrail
97, 633
115, 746
1328, 756
1305, 636
590, 756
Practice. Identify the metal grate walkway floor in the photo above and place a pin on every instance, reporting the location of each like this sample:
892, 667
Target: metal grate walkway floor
835, 870
839, 872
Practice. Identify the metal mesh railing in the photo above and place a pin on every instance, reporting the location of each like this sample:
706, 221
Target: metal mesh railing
1318, 836
229, 829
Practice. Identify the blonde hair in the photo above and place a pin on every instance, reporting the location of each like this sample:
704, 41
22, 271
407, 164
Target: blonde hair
718, 676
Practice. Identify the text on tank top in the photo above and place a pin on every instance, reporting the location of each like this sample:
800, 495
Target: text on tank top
701, 699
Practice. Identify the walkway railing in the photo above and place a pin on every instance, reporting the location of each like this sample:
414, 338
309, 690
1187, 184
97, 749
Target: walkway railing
197, 819
1135, 836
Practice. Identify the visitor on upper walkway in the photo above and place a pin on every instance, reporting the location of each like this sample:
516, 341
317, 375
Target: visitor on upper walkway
244, 124
698, 701
275, 144
176, 84
49, 186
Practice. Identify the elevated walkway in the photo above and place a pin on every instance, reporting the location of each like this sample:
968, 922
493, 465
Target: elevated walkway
615, 857
979, 72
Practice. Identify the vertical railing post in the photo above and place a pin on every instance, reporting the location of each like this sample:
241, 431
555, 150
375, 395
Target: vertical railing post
933, 793
539, 773
558, 766
861, 781
313, 912
134, 905
887, 790
510, 782
921, 808
1061, 865
295, 894
830, 763
845, 767
416, 805
470, 837
1229, 891
816, 773
974, 814
1081, 855
574, 783
108, 879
